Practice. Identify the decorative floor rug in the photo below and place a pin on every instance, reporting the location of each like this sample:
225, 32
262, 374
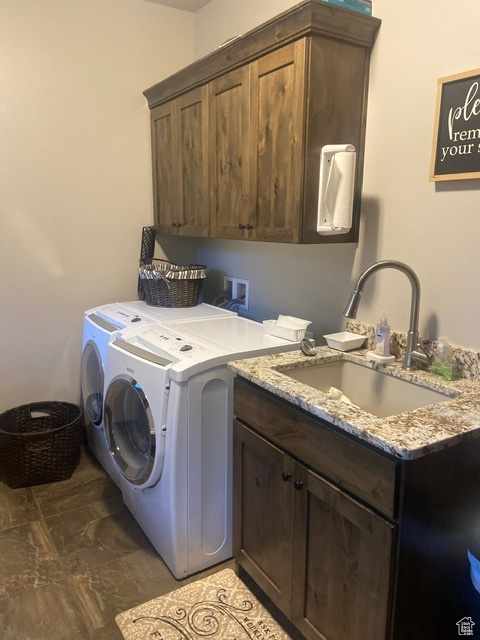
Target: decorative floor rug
218, 607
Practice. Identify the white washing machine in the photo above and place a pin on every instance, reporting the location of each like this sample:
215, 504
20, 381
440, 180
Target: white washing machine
168, 422
100, 326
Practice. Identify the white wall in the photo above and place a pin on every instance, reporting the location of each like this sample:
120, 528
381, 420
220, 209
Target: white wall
232, 19
75, 173
432, 227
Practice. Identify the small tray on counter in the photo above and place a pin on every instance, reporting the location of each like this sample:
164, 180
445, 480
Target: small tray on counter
344, 340
287, 327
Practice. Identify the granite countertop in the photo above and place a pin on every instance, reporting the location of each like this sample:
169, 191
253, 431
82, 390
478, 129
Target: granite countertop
407, 435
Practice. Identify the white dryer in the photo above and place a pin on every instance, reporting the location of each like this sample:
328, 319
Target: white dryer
100, 326
168, 422
178, 314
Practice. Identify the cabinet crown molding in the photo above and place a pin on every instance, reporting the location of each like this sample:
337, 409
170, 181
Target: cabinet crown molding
313, 17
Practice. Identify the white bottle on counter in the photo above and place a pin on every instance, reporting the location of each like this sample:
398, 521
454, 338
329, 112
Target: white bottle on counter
382, 337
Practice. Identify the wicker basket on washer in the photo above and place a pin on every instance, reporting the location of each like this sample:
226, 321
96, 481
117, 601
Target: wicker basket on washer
169, 285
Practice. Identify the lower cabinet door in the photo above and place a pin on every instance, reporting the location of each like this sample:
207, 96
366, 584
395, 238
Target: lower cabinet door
343, 565
263, 514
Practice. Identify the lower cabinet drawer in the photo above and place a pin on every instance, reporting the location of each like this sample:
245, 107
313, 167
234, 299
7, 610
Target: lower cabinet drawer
366, 474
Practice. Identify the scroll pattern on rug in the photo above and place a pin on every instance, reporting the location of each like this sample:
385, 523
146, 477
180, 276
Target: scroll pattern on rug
219, 607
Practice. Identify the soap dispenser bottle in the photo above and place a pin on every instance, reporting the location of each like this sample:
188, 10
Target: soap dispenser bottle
382, 337
442, 364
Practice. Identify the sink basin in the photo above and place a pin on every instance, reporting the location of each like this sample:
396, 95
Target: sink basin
373, 391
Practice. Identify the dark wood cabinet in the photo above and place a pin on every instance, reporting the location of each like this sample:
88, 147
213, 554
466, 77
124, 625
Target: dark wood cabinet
314, 550
348, 541
265, 502
180, 164
229, 138
236, 136
278, 108
256, 118
343, 551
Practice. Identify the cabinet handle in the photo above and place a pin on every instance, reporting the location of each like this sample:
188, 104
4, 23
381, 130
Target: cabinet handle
241, 226
249, 227
286, 476
298, 485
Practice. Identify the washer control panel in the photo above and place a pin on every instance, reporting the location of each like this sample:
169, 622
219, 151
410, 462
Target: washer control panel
184, 352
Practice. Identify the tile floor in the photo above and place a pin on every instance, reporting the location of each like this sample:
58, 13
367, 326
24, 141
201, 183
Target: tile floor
72, 557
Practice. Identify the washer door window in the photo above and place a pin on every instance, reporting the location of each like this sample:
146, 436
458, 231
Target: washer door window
130, 430
92, 383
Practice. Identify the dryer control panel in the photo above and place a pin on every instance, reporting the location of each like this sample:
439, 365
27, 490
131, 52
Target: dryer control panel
120, 317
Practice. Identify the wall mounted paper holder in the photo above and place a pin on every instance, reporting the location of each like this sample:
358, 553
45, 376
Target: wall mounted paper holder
336, 189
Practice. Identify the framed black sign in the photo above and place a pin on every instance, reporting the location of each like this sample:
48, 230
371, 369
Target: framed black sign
456, 136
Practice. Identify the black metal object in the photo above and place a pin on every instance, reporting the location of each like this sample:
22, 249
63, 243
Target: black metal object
147, 249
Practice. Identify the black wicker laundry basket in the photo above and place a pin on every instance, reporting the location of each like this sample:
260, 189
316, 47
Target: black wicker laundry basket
39, 442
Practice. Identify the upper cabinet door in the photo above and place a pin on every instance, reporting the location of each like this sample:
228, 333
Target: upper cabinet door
277, 143
165, 171
229, 123
193, 156
180, 164
256, 147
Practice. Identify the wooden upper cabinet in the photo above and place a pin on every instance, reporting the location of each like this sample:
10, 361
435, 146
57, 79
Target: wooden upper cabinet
241, 157
180, 164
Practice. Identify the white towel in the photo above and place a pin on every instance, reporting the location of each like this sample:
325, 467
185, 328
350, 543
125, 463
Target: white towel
290, 322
